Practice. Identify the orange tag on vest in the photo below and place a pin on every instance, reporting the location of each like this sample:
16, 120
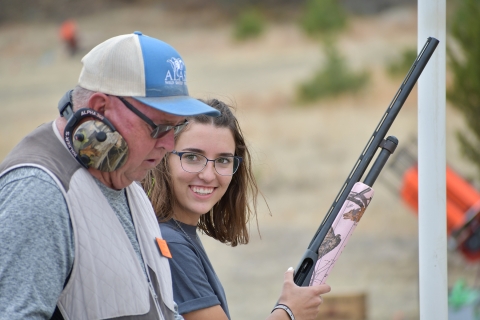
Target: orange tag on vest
162, 245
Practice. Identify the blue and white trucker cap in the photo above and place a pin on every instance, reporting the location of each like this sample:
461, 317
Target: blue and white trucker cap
144, 68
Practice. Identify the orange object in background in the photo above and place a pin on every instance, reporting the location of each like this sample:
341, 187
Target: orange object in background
462, 198
409, 190
68, 34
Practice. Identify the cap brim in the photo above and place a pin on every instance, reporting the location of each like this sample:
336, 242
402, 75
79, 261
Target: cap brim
179, 105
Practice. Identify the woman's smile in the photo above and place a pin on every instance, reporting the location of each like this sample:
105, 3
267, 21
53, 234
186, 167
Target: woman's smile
202, 190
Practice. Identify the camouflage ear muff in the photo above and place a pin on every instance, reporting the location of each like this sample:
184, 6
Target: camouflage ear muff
98, 145
94, 143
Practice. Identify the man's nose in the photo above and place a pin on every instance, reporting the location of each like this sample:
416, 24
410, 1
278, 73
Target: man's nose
167, 141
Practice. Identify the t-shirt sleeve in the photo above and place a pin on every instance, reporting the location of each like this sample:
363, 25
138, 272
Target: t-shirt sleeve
191, 288
36, 244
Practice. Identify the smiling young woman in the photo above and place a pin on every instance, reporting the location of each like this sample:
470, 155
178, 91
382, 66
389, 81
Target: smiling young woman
206, 184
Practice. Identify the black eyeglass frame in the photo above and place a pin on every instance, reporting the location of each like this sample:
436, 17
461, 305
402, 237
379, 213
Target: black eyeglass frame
158, 130
180, 154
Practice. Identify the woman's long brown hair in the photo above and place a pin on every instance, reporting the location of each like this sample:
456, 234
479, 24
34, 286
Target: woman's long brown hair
228, 220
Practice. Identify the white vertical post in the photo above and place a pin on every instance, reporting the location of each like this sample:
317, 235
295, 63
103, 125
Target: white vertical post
432, 166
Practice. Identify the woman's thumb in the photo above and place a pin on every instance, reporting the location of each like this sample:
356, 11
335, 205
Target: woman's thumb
289, 274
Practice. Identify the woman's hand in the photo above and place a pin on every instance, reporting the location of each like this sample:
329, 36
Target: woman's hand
304, 302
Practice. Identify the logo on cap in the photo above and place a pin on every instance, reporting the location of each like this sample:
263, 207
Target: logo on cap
179, 76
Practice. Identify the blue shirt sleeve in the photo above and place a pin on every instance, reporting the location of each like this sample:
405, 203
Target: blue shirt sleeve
37, 249
191, 287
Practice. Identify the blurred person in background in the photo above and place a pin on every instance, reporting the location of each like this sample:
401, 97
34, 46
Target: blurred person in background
205, 183
78, 234
69, 36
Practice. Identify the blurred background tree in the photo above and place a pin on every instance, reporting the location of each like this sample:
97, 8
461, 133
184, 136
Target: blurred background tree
332, 79
250, 23
464, 64
323, 17
399, 67
324, 20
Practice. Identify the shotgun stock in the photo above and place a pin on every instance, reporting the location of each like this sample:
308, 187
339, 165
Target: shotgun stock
354, 196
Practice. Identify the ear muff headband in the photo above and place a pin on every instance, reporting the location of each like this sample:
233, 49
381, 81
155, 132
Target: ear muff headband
94, 143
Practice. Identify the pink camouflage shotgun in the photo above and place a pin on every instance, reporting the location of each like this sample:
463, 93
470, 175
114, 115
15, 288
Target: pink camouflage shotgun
354, 196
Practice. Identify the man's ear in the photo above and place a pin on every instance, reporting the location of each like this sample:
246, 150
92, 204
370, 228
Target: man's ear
99, 102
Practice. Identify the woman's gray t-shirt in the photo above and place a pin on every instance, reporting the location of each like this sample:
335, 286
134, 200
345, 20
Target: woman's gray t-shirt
195, 283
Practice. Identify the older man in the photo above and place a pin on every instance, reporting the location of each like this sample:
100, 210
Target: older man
78, 237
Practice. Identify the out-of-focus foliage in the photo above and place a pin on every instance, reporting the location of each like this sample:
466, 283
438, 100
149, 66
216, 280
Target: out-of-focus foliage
52, 11
333, 79
464, 64
323, 17
249, 24
369, 7
59, 10
399, 67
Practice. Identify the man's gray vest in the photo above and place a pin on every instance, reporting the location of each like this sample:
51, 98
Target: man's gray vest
107, 280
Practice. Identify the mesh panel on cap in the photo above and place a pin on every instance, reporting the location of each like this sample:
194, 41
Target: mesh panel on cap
115, 67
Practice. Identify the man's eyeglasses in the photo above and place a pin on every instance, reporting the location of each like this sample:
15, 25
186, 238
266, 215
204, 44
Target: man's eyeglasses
195, 162
158, 130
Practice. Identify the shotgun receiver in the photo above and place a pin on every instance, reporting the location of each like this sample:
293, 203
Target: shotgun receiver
354, 196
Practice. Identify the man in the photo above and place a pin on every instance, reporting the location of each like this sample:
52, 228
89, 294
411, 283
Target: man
78, 237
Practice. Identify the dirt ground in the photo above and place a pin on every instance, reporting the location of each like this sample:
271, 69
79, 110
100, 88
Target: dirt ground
302, 154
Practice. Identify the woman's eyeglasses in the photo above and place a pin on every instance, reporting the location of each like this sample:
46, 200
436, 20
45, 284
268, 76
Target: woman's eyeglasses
195, 162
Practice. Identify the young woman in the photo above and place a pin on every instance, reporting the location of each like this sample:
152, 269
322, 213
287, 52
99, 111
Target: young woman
206, 184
